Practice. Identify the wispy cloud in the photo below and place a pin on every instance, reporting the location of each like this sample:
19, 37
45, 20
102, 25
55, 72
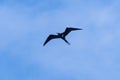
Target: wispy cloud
93, 52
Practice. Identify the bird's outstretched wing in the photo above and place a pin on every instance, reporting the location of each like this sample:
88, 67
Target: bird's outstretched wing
69, 29
50, 37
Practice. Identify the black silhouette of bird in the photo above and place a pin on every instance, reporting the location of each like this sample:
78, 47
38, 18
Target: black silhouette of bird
61, 35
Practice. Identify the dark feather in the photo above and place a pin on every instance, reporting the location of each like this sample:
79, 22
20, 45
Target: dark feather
61, 35
69, 29
50, 37
66, 41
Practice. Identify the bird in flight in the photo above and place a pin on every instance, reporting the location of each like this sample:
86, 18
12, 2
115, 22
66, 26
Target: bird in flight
61, 35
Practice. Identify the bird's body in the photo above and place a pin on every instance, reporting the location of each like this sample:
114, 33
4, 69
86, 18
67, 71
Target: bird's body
61, 35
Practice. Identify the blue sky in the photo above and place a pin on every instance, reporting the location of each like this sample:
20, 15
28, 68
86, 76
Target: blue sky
93, 54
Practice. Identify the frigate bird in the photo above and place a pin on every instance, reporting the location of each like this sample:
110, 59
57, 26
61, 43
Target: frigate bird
61, 35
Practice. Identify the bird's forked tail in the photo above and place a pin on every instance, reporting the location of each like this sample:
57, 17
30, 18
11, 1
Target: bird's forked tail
66, 41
